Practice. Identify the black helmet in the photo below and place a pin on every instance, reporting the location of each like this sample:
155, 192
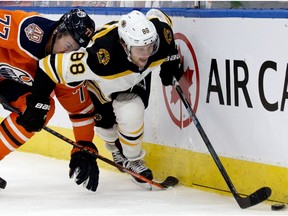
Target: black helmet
79, 25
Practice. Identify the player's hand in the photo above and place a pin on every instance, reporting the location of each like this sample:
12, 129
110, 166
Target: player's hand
34, 116
172, 67
83, 166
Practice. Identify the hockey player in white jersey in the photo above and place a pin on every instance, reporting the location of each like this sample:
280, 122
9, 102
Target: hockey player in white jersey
119, 65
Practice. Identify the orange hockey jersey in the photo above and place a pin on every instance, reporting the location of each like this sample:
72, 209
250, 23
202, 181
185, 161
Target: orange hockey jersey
23, 37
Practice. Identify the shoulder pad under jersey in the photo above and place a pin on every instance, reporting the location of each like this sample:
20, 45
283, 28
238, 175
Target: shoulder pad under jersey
163, 17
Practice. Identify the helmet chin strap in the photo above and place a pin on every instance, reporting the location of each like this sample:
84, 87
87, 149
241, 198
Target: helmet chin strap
124, 45
128, 52
129, 57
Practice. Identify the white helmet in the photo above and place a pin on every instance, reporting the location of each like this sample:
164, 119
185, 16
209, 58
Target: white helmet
135, 29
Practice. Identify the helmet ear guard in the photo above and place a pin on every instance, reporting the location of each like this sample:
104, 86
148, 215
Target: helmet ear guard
135, 29
79, 25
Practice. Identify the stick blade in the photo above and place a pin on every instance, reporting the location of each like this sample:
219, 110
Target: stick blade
168, 183
255, 198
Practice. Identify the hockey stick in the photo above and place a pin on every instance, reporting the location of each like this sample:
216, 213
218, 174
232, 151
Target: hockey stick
244, 202
170, 181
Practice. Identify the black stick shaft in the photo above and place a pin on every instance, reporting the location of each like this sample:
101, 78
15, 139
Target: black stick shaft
204, 137
253, 199
94, 153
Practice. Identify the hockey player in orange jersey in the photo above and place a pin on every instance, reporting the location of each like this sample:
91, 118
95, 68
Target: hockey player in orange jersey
26, 37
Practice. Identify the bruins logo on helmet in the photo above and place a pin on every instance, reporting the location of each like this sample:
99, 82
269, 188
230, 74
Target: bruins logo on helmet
103, 56
168, 35
123, 24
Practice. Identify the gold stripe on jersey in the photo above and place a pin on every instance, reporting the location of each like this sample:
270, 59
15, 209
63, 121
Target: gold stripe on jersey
48, 69
169, 21
140, 130
129, 143
166, 17
127, 72
103, 31
157, 63
115, 76
59, 60
93, 86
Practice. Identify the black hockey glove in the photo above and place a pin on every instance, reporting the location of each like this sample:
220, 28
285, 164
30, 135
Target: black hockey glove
84, 166
34, 116
172, 67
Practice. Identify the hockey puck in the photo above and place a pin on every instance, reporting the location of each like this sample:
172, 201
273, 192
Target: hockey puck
278, 207
3, 183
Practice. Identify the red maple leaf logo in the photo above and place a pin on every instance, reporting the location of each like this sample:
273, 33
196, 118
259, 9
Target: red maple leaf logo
173, 102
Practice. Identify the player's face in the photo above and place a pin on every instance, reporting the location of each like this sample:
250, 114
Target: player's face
140, 54
65, 44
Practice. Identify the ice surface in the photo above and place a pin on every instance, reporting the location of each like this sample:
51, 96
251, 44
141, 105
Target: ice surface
40, 186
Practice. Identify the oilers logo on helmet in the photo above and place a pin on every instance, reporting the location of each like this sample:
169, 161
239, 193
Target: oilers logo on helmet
79, 25
81, 13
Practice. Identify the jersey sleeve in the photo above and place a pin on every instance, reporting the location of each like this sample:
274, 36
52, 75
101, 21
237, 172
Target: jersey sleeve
67, 67
10, 24
77, 102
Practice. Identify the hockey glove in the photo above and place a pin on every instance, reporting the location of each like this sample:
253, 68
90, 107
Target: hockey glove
34, 116
84, 166
172, 67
